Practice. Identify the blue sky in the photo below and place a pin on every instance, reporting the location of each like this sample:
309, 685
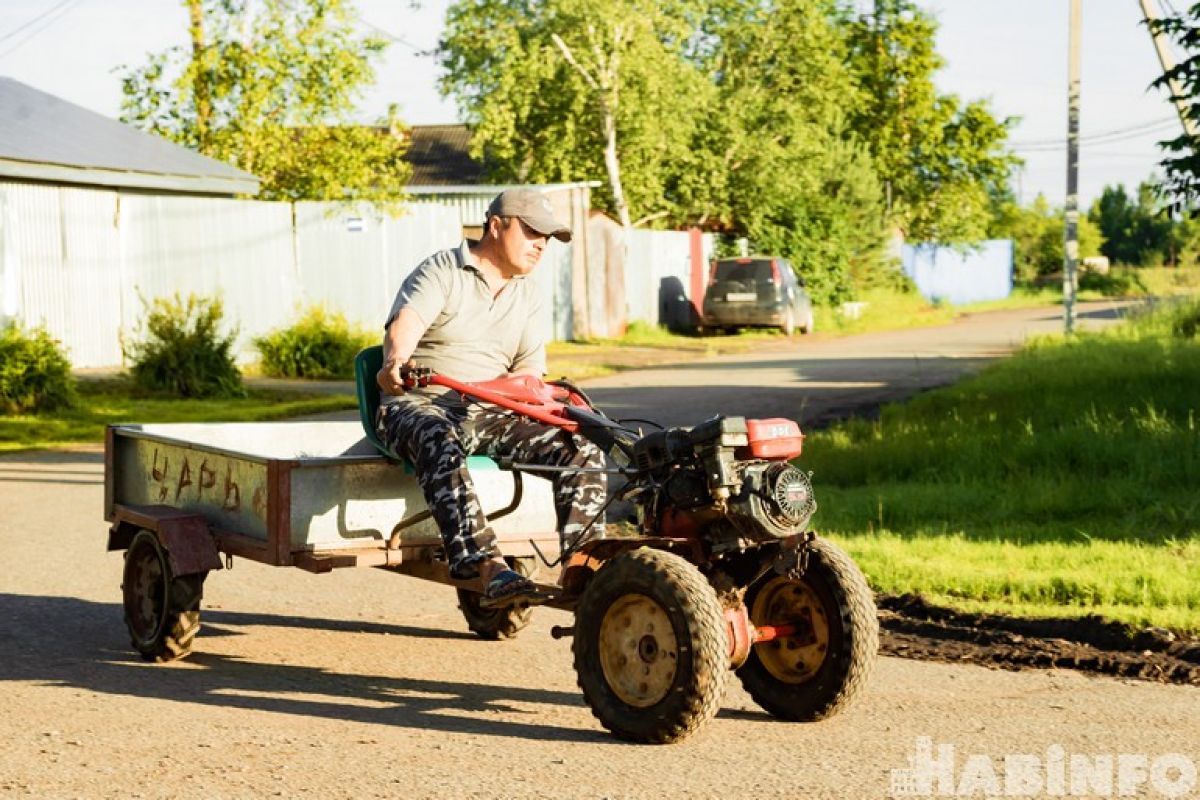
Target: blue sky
1012, 52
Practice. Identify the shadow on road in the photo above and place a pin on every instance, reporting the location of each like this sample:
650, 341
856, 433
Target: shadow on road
1115, 313
79, 644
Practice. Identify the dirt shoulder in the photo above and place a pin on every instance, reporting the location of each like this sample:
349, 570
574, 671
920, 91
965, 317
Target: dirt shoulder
910, 627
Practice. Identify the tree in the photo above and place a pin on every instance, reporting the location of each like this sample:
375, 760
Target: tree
1140, 231
1182, 179
269, 86
564, 90
941, 162
1037, 234
776, 162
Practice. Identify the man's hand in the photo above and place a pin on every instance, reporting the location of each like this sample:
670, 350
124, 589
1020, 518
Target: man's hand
389, 379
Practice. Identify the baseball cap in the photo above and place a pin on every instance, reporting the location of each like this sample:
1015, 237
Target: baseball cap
531, 207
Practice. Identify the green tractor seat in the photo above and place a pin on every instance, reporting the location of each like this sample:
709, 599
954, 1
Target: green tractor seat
366, 366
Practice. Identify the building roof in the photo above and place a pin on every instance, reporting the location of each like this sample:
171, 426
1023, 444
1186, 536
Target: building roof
45, 138
440, 156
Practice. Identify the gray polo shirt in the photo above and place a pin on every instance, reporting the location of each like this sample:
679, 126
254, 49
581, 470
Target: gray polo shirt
472, 336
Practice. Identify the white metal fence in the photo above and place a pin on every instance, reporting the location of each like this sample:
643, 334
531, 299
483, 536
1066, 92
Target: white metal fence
81, 262
658, 274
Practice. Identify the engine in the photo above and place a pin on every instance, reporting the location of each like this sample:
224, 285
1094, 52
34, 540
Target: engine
727, 480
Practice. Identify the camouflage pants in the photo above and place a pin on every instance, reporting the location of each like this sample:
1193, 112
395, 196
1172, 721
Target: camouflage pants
436, 439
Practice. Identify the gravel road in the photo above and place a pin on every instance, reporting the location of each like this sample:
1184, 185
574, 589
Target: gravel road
363, 684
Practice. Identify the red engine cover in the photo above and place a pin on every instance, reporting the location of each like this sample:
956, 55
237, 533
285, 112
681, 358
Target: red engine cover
774, 438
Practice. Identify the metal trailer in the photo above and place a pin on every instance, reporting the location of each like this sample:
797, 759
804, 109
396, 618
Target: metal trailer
714, 583
185, 499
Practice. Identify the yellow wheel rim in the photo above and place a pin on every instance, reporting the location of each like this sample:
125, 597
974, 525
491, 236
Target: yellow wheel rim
795, 658
638, 651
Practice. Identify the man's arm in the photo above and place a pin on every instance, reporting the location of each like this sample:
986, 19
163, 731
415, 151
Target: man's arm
530, 358
403, 334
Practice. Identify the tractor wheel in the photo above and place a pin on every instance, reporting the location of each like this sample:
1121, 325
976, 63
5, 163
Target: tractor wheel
818, 670
162, 611
651, 652
496, 623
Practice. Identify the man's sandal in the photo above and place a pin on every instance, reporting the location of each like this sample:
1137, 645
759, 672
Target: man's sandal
507, 588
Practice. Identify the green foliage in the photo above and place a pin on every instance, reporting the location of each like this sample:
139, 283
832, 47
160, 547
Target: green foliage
725, 114
777, 164
538, 117
182, 351
1117, 282
941, 162
796, 124
1037, 233
35, 375
318, 345
1182, 164
1185, 321
1139, 231
270, 86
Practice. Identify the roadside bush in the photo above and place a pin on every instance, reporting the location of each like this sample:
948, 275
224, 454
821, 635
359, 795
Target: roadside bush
1118, 282
1185, 322
319, 345
35, 375
182, 351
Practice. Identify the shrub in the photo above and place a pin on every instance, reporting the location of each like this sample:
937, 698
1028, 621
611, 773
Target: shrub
319, 345
1118, 282
183, 352
35, 375
1185, 322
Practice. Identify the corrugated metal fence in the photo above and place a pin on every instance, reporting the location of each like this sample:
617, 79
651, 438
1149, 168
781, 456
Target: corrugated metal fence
658, 276
82, 262
959, 276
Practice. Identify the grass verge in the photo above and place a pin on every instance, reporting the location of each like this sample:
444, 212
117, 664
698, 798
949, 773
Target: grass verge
106, 402
1060, 481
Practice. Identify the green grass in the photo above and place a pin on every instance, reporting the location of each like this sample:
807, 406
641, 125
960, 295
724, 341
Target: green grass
107, 402
1062, 480
1165, 281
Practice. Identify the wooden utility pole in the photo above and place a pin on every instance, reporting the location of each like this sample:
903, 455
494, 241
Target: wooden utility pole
1071, 234
1167, 62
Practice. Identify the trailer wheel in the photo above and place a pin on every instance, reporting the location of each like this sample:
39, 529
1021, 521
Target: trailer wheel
162, 611
816, 672
496, 623
651, 653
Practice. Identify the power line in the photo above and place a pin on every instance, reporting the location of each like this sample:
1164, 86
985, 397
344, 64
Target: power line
1096, 141
398, 39
46, 18
1141, 127
40, 16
